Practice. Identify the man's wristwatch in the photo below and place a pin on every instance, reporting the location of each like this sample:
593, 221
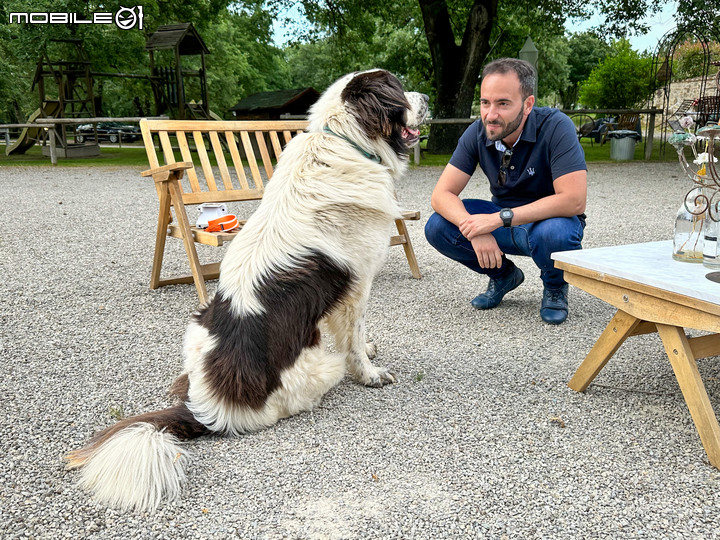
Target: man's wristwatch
506, 215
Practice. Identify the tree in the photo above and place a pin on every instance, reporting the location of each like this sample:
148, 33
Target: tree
111, 49
403, 51
242, 57
459, 35
588, 49
701, 13
622, 81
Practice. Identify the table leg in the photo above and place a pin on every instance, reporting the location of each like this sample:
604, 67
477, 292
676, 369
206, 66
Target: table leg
683, 362
617, 331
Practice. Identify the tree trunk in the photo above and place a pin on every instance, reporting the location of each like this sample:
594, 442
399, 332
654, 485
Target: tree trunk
456, 67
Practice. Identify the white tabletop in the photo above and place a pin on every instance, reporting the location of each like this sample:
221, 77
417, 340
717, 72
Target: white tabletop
650, 264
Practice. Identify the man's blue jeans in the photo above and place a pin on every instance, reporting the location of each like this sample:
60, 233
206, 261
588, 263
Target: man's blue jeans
537, 240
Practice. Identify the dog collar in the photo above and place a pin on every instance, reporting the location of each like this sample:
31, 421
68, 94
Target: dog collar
371, 157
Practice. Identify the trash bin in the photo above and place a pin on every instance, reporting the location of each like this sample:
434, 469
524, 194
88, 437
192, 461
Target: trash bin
622, 144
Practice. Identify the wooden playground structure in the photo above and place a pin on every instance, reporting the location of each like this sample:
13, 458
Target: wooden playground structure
66, 95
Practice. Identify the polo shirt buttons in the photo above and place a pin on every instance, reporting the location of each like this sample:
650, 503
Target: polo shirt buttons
512, 167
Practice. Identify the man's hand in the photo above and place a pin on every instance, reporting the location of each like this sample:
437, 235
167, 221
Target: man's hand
478, 224
487, 250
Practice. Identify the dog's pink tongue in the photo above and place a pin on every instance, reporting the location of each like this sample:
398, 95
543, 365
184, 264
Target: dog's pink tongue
411, 132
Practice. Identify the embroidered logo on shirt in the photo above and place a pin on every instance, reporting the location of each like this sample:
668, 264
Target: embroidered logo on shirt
531, 171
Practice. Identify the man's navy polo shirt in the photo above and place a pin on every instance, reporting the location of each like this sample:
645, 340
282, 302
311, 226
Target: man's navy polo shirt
548, 148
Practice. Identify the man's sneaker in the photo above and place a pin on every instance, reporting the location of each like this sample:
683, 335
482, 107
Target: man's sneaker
497, 288
554, 307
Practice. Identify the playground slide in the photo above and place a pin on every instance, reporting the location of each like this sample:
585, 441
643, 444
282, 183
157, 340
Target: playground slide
29, 136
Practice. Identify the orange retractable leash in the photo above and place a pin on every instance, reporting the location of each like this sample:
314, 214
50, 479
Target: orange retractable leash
223, 224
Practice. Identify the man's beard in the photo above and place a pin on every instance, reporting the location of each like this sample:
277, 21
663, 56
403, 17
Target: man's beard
509, 128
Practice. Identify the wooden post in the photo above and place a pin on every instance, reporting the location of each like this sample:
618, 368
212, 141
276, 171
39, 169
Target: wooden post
53, 149
203, 85
180, 89
649, 136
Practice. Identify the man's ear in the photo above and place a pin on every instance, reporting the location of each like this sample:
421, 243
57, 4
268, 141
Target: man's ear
529, 102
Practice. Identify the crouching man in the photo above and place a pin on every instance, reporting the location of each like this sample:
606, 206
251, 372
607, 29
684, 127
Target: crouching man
538, 180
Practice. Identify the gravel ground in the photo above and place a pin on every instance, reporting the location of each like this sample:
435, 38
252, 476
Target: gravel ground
479, 438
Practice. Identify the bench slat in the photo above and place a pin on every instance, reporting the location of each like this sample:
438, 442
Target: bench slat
277, 147
166, 147
252, 161
204, 160
237, 161
228, 125
224, 195
204, 237
267, 164
187, 156
220, 158
149, 145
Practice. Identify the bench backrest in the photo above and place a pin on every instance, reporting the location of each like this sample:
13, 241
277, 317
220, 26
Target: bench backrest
224, 154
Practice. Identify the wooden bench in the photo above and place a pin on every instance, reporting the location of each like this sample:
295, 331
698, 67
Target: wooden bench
218, 162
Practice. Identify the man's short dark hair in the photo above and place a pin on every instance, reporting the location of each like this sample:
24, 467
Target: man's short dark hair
524, 71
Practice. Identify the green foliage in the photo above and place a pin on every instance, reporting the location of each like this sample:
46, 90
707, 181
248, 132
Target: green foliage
243, 59
703, 14
403, 51
343, 35
689, 59
622, 80
588, 49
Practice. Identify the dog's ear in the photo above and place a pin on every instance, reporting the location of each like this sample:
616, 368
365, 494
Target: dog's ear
378, 102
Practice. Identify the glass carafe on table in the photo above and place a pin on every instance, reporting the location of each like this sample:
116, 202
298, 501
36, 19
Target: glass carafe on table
696, 223
690, 224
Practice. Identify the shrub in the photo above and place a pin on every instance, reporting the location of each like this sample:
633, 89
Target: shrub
622, 80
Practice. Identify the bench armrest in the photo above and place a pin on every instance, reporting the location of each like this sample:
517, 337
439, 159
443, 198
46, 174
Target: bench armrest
180, 166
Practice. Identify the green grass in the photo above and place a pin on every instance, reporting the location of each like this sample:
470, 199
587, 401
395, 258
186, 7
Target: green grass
600, 153
109, 156
134, 156
594, 153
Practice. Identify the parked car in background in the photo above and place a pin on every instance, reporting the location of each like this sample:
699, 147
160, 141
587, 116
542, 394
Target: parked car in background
108, 131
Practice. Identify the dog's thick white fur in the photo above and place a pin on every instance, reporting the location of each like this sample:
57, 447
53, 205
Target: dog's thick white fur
308, 255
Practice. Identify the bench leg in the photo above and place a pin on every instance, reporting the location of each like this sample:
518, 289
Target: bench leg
407, 246
188, 240
160, 235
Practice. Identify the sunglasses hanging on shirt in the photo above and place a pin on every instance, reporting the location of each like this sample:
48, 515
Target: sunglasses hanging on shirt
503, 172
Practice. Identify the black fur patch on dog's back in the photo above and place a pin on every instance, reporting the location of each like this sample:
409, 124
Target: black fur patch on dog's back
253, 350
378, 102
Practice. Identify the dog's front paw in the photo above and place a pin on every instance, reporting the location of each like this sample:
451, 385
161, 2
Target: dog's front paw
378, 377
370, 350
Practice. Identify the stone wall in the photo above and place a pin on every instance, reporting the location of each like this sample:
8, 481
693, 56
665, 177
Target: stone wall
680, 91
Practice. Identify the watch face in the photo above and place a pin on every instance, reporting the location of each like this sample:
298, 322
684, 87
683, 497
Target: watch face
506, 215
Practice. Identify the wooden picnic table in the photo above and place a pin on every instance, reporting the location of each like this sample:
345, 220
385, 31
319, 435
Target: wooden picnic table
653, 293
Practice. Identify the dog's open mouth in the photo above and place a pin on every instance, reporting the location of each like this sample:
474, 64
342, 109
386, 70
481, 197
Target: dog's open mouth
410, 136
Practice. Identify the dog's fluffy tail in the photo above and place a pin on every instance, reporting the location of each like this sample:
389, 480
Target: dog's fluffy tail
139, 461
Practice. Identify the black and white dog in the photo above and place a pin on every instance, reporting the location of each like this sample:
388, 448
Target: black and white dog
307, 256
